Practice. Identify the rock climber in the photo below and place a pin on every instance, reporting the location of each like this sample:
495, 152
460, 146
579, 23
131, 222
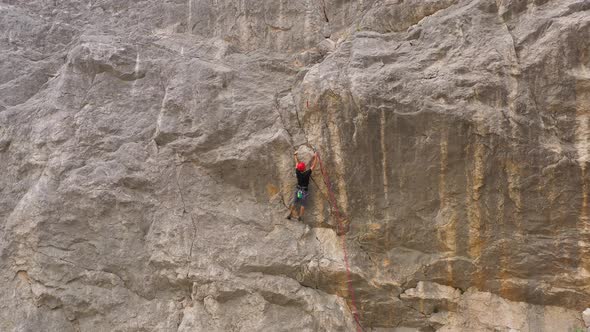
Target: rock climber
302, 189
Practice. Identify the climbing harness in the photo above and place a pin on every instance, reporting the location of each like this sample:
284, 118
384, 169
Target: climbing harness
299, 194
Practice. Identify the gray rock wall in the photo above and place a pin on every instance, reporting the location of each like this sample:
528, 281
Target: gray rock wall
146, 151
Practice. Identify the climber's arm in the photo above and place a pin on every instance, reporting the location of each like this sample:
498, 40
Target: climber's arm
296, 158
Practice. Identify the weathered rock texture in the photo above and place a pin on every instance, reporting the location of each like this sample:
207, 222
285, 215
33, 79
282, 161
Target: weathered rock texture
146, 154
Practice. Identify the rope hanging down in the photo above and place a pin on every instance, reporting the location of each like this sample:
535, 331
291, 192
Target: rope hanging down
341, 230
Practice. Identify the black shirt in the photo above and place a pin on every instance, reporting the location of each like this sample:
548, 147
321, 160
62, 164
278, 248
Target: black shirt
303, 178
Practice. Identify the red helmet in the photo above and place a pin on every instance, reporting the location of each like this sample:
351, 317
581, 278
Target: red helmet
301, 167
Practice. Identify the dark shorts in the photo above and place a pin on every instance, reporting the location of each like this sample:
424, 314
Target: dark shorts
300, 201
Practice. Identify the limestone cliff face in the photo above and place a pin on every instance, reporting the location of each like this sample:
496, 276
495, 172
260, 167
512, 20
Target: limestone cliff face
146, 153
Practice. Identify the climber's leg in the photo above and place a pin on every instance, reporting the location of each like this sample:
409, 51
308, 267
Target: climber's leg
302, 202
293, 206
291, 211
301, 210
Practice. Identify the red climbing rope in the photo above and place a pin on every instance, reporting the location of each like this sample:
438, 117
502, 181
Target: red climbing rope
341, 230
332, 199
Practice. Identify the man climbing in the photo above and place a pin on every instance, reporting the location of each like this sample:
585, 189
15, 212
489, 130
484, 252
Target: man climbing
302, 189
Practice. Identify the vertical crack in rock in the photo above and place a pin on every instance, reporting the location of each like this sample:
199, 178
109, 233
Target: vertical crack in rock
324, 11
277, 108
516, 67
186, 211
300, 124
514, 86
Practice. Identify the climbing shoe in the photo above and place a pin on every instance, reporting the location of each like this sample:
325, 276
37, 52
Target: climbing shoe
300, 219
